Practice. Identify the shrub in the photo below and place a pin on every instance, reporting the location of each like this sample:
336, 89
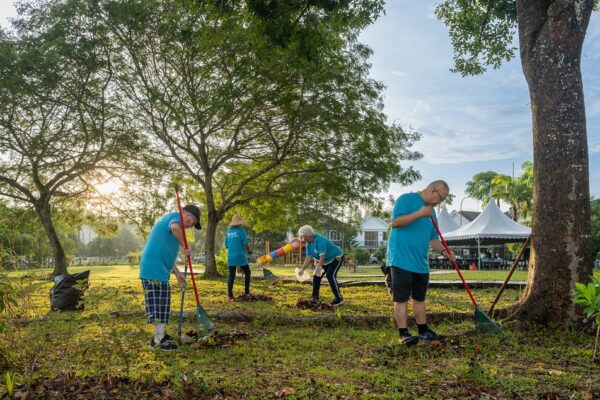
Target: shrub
588, 296
221, 260
361, 256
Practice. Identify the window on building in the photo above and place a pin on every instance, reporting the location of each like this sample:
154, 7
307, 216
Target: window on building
371, 239
335, 236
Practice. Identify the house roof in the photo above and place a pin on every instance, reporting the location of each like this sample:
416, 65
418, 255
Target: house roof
380, 221
469, 215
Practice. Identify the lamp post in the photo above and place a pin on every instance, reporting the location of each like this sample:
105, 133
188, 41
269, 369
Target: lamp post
460, 211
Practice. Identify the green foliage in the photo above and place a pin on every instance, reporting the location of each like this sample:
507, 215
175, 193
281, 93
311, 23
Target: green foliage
7, 299
10, 384
517, 192
124, 242
222, 267
250, 121
588, 296
361, 256
480, 186
381, 253
448, 200
481, 32
58, 124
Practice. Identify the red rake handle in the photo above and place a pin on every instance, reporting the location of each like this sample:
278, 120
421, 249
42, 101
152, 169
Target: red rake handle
453, 262
185, 246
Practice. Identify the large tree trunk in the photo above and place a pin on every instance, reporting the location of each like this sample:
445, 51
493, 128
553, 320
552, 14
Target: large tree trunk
209, 246
551, 35
60, 260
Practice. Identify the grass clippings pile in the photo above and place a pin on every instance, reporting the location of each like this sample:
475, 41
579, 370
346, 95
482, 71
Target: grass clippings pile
250, 297
314, 305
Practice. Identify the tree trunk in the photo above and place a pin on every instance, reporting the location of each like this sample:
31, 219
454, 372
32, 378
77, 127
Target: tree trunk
209, 246
551, 35
60, 260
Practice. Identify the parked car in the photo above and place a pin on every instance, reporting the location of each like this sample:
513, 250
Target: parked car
200, 258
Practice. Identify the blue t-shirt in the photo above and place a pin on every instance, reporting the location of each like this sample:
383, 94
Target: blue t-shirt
161, 249
322, 245
407, 246
235, 242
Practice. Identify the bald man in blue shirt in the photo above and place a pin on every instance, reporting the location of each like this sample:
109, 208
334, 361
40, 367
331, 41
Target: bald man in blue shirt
411, 235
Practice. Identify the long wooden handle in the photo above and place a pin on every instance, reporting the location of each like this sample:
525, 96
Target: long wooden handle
512, 269
185, 246
453, 262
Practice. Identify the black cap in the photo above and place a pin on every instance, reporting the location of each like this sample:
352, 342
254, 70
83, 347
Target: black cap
195, 211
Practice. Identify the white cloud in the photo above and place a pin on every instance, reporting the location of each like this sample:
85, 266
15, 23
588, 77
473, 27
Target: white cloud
398, 73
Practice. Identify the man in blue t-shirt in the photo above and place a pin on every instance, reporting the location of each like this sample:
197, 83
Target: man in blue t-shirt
156, 263
330, 258
411, 235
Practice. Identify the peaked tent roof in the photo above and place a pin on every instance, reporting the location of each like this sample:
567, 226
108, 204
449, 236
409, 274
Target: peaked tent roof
445, 221
492, 226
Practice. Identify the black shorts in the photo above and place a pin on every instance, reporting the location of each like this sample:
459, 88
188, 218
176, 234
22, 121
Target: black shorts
406, 284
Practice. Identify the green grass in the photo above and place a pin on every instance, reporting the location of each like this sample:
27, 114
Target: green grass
374, 272
310, 359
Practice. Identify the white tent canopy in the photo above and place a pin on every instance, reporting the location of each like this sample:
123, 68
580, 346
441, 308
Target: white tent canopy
492, 226
445, 221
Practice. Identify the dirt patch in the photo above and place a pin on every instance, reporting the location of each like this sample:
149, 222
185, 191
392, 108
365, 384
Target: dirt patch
253, 297
315, 305
107, 387
214, 339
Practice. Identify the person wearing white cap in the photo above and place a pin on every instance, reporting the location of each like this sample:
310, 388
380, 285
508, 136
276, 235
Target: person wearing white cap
330, 257
236, 242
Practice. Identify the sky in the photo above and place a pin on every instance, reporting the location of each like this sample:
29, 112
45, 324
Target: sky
468, 124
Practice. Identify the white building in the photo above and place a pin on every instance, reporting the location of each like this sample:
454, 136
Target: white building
373, 233
86, 234
463, 217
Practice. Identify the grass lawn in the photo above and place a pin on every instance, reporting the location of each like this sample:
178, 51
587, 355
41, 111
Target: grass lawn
374, 272
103, 352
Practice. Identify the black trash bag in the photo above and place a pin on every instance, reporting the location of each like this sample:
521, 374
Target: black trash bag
68, 290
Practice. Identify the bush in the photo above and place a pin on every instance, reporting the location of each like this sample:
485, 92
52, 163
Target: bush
380, 253
7, 298
588, 296
221, 260
361, 256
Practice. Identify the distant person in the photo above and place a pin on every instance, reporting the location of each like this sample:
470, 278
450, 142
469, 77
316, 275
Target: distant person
158, 260
411, 235
236, 242
329, 256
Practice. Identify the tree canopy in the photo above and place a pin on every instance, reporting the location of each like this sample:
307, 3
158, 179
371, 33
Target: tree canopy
247, 118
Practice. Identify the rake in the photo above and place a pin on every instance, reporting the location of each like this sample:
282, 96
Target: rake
482, 321
204, 323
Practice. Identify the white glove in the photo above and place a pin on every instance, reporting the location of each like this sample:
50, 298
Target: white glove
319, 270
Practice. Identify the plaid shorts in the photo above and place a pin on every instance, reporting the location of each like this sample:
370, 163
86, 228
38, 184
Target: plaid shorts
157, 296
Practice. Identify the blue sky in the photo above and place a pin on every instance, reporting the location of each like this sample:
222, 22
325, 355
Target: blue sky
468, 124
